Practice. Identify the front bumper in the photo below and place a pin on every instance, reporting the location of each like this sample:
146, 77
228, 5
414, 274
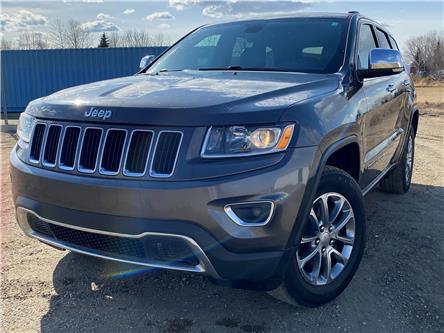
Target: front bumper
192, 211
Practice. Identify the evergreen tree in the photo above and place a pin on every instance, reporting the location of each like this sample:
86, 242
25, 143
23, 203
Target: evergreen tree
104, 41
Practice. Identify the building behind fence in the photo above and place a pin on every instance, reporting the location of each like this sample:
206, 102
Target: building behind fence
30, 74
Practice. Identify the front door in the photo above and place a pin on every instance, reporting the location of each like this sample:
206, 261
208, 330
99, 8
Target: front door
384, 97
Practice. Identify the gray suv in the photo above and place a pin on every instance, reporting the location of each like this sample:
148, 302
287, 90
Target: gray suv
243, 152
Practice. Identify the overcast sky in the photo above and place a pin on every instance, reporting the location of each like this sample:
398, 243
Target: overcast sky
174, 18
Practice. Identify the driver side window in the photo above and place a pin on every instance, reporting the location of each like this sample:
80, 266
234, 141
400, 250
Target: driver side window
366, 44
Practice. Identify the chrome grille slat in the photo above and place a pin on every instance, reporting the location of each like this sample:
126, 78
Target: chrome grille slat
104, 150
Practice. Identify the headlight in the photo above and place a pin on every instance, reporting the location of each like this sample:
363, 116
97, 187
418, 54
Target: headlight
24, 126
246, 141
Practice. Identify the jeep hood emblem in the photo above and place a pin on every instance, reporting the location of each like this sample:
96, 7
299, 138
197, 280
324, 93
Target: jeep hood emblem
98, 113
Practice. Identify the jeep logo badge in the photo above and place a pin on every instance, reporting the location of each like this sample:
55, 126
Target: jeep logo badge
96, 113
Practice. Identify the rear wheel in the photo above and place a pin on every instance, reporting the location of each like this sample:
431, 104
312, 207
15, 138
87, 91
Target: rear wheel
331, 245
399, 179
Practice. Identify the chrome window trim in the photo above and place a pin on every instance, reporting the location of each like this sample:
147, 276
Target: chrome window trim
236, 219
31, 160
204, 265
102, 171
136, 174
79, 167
62, 166
44, 163
164, 175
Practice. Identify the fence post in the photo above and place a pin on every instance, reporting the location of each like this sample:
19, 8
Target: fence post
3, 96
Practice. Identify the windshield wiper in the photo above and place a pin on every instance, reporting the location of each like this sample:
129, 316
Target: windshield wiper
164, 70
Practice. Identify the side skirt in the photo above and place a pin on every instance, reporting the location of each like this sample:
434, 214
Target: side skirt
377, 179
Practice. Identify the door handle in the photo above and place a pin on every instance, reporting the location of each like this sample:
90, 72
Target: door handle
391, 88
406, 83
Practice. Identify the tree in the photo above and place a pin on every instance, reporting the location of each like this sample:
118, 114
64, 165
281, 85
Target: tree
160, 40
114, 39
57, 32
103, 41
29, 40
136, 38
426, 52
76, 36
69, 35
6, 44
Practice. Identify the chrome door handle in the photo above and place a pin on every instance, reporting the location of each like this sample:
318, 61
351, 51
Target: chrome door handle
391, 88
406, 83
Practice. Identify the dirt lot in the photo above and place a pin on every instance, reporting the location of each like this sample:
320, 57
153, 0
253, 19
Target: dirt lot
399, 286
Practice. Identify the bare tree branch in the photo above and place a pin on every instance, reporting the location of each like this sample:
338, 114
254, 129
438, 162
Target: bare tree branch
57, 31
426, 53
76, 36
29, 40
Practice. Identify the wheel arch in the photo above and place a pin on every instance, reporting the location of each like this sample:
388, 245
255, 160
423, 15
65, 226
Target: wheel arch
347, 158
313, 183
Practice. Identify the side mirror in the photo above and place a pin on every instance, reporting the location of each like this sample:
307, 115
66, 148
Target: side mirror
382, 62
146, 60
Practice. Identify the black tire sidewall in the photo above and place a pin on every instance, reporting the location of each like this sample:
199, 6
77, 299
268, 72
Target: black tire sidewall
297, 286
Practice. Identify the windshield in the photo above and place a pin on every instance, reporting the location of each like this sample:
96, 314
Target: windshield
310, 45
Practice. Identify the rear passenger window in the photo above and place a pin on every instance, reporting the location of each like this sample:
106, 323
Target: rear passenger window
393, 43
382, 39
366, 44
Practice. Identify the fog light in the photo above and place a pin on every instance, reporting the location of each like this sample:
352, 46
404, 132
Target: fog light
252, 214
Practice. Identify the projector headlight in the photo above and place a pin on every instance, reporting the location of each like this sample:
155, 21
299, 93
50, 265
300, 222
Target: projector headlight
24, 127
236, 141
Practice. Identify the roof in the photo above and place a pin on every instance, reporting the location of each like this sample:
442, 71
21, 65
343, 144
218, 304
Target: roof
298, 15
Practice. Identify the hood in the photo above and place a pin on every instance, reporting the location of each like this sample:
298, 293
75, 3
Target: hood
187, 98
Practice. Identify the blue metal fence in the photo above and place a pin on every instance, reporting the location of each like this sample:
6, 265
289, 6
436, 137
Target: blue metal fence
30, 74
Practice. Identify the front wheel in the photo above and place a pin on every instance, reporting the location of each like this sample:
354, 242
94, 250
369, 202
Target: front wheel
331, 244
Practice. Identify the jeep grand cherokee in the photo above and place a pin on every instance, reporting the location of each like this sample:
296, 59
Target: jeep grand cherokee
242, 152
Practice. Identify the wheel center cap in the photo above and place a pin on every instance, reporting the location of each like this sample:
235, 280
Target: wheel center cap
324, 237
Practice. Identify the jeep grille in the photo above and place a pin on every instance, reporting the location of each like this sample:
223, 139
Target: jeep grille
106, 151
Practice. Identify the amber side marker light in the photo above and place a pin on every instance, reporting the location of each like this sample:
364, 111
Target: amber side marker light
285, 138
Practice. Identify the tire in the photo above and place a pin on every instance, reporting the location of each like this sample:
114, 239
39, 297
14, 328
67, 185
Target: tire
336, 187
399, 179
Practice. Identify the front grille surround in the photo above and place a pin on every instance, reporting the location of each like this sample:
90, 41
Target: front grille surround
129, 155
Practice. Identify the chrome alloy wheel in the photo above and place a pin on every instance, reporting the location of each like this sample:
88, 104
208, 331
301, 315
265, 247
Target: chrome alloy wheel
409, 160
327, 239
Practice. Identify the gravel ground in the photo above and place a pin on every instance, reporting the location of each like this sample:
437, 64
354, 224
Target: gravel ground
398, 287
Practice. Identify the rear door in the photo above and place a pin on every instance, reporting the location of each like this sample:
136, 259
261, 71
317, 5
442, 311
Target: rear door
381, 135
